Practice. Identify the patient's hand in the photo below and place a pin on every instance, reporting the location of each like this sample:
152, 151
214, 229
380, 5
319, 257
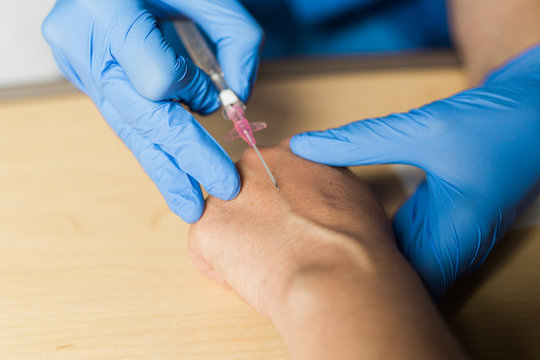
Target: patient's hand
258, 241
318, 259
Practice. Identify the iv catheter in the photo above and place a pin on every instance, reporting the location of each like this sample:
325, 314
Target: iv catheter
233, 108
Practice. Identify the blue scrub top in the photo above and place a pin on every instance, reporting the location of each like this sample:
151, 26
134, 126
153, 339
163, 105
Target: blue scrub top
322, 27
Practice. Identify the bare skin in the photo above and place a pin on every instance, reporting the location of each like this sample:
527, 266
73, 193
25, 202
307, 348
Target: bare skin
319, 260
489, 32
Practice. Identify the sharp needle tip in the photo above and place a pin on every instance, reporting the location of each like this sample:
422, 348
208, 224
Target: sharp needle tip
266, 166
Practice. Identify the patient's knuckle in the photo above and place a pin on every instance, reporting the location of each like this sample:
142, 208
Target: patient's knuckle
248, 157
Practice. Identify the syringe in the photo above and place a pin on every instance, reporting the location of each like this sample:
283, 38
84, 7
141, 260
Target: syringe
233, 107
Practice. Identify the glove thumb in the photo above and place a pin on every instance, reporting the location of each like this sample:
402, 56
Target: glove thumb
419, 246
153, 67
395, 139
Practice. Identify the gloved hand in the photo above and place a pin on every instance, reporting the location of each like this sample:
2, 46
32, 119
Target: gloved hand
116, 52
480, 150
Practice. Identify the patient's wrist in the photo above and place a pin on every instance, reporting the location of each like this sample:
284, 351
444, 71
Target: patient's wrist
331, 259
362, 302
316, 316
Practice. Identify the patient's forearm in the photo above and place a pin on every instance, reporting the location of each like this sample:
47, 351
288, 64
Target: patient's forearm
374, 307
489, 32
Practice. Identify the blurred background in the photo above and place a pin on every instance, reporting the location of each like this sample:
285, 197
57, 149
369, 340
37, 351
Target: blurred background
297, 28
26, 58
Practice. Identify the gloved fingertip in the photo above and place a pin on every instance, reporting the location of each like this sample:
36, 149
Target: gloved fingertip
200, 95
189, 210
244, 92
228, 188
232, 193
241, 89
300, 144
210, 106
240, 62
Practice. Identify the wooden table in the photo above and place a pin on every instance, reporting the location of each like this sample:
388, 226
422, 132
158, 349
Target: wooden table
94, 266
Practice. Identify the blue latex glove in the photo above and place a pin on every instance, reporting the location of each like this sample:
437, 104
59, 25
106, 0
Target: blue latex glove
115, 52
480, 150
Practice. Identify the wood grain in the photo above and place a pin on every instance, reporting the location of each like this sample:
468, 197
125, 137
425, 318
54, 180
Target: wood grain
94, 266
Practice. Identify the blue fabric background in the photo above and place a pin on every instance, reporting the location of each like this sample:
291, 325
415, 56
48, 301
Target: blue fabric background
311, 27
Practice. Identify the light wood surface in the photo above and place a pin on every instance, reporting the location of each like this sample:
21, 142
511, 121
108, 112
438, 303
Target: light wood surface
94, 266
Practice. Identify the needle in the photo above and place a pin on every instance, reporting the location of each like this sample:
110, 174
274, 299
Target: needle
265, 166
204, 58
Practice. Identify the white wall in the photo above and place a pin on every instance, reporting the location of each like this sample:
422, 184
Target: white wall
25, 57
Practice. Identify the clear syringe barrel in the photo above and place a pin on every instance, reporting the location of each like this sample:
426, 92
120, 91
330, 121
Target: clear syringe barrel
233, 107
200, 52
203, 57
